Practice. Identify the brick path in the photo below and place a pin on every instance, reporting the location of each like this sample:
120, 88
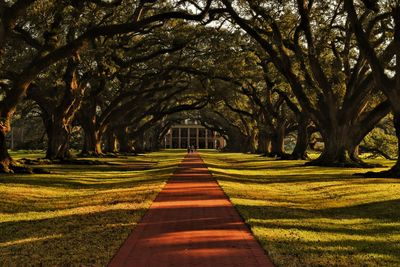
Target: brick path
191, 223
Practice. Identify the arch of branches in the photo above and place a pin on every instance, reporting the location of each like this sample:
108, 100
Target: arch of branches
123, 71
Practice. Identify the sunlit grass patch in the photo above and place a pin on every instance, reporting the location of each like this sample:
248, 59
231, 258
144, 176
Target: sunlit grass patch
78, 215
313, 216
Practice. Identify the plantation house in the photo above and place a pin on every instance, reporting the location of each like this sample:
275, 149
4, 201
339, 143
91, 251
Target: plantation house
192, 133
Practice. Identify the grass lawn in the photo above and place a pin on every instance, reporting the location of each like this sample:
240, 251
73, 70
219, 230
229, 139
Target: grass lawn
313, 216
78, 215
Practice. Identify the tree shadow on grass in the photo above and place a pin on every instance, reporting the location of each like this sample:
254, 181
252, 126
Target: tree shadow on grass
368, 233
346, 252
383, 210
87, 178
78, 240
300, 234
254, 168
295, 178
93, 238
84, 183
65, 204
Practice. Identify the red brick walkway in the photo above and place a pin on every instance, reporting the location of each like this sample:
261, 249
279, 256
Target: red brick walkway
191, 223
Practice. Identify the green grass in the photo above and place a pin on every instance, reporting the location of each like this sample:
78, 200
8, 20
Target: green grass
78, 215
313, 216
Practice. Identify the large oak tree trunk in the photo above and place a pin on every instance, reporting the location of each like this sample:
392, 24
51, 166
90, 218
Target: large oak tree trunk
300, 149
123, 140
139, 143
155, 143
264, 142
91, 136
277, 143
5, 158
91, 142
110, 142
236, 142
152, 141
339, 150
342, 140
252, 143
59, 136
58, 115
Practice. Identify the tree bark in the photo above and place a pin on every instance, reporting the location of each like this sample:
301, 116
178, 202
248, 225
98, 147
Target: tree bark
139, 143
91, 141
236, 142
110, 142
300, 149
92, 137
339, 150
264, 143
155, 143
123, 140
58, 136
277, 143
6, 161
252, 143
59, 121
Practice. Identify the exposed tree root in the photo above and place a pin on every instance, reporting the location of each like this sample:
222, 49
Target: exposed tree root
90, 155
21, 169
376, 153
39, 161
67, 161
294, 157
391, 173
70, 161
285, 156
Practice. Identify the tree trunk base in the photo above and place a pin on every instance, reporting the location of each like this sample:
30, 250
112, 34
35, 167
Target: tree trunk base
90, 155
285, 156
342, 164
73, 161
273, 155
295, 157
6, 165
393, 172
17, 169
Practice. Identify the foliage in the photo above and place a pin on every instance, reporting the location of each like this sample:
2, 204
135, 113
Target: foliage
380, 143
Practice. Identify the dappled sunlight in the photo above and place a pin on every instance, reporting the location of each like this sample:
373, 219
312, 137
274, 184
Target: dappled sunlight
29, 216
197, 237
339, 241
44, 217
29, 240
313, 215
311, 195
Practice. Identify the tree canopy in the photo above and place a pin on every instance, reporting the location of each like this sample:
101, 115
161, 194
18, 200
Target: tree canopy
255, 71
